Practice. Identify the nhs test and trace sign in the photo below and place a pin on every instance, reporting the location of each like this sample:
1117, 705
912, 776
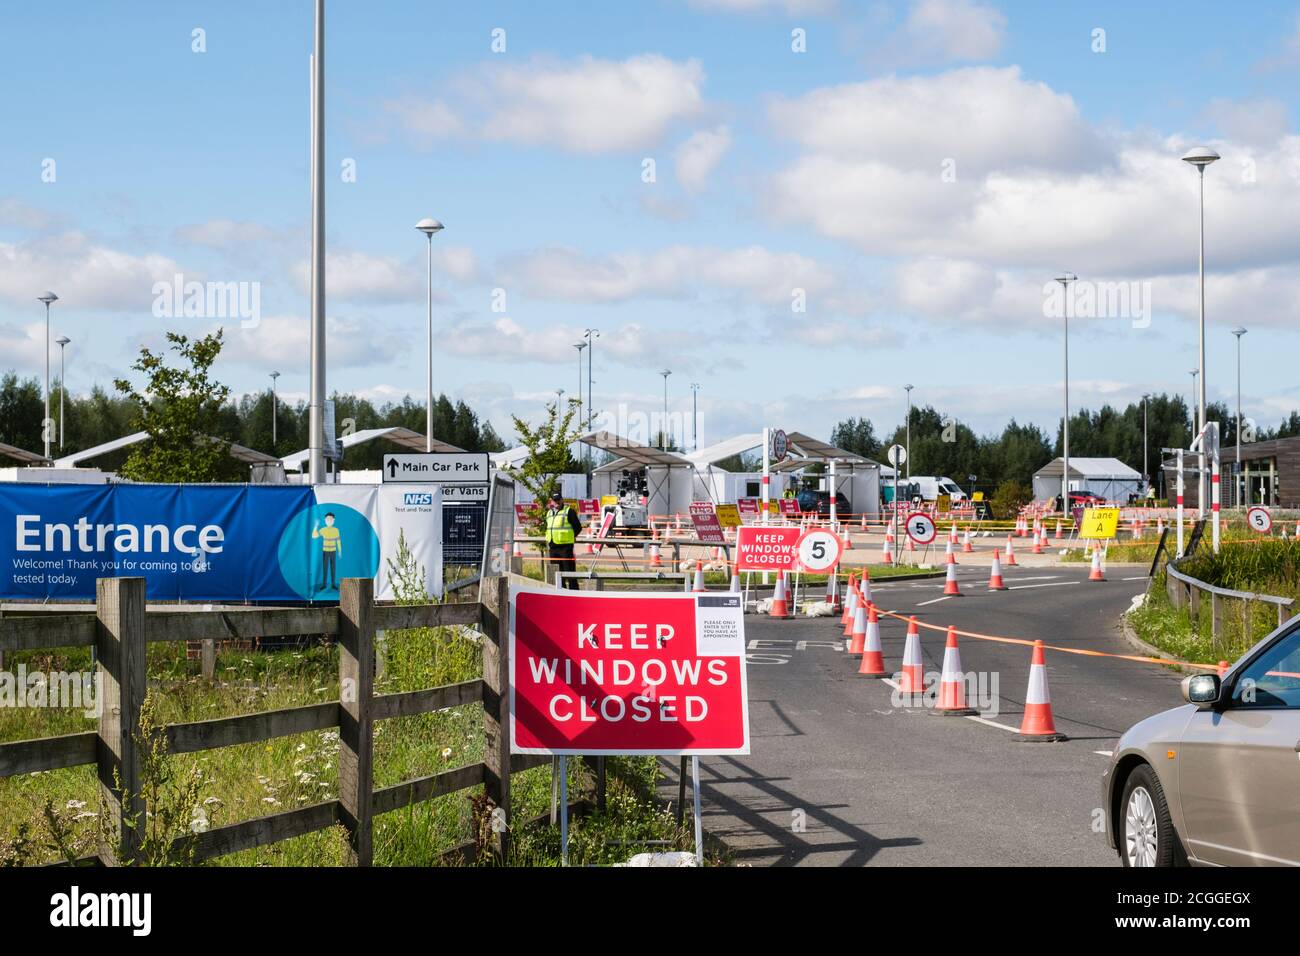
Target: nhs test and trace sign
659, 674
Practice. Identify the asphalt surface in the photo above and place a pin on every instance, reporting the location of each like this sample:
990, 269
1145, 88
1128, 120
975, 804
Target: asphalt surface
840, 776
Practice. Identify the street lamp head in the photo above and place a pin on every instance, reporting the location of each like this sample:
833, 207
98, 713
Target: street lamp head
1200, 157
429, 226
62, 340
47, 297
666, 372
579, 345
1065, 278
275, 375
1239, 332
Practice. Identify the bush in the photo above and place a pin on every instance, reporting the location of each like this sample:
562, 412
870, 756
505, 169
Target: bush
1010, 497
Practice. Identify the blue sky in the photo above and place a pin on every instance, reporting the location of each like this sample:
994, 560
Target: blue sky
775, 171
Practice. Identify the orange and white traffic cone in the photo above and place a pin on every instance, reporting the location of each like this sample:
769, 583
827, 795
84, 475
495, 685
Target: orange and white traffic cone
735, 580
1224, 666
517, 551
699, 579
886, 553
833, 590
859, 638
1038, 544
1011, 553
952, 533
1096, 574
864, 587
952, 682
950, 588
873, 658
1043, 533
656, 559
1058, 529
995, 574
1037, 724
967, 547
1160, 526
780, 603
850, 609
912, 679
949, 557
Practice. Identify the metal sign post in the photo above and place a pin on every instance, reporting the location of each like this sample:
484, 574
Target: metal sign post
699, 826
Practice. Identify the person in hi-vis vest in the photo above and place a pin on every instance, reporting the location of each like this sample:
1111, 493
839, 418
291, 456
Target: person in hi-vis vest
331, 546
562, 528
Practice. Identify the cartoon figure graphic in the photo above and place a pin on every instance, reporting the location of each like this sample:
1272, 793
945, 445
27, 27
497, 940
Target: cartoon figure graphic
331, 546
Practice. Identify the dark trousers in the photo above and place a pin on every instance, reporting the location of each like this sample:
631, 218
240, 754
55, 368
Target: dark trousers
562, 559
329, 570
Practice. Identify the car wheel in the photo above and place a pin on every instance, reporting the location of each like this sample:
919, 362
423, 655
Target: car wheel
1146, 832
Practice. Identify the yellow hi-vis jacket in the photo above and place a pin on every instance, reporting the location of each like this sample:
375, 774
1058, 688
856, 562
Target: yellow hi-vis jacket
558, 528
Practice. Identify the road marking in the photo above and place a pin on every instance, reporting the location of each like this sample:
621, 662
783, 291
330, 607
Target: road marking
1036, 577
1105, 753
975, 717
1025, 587
1140, 577
935, 600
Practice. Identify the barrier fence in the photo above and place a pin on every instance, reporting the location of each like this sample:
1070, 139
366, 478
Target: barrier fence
119, 631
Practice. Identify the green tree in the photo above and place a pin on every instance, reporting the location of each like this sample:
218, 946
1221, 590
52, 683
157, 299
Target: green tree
857, 435
22, 409
549, 449
181, 409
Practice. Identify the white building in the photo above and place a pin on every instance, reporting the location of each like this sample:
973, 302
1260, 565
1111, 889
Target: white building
1107, 478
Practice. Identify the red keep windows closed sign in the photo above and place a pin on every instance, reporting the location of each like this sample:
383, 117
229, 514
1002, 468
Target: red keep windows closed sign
627, 674
766, 549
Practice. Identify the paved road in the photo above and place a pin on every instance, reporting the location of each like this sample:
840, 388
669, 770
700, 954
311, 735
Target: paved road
873, 783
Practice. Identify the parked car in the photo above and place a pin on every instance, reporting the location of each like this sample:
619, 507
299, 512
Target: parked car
820, 502
1217, 780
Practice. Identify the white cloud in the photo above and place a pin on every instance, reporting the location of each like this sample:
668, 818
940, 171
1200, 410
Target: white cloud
86, 276
223, 233
1260, 122
585, 105
790, 7
355, 276
955, 29
699, 156
280, 340
757, 274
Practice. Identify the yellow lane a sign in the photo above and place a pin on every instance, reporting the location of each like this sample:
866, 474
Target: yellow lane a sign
1099, 523
728, 516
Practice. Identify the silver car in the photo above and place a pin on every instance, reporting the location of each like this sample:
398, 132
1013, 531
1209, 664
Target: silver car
1215, 782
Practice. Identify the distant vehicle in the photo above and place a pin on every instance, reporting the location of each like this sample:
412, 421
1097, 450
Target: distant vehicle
1082, 499
820, 502
930, 488
1214, 782
907, 491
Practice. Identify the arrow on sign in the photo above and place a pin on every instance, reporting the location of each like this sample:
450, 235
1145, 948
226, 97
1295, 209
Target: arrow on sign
392, 469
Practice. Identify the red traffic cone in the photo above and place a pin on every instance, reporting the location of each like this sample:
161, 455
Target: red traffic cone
1038, 544
735, 580
912, 680
859, 631
848, 540
967, 547
1058, 529
850, 609
1011, 553
995, 574
950, 588
1223, 668
949, 557
886, 554
873, 658
656, 560
1038, 724
780, 603
1095, 574
699, 579
833, 591
864, 590
952, 533
952, 683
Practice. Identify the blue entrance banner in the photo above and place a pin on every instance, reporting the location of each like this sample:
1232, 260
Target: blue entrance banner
217, 542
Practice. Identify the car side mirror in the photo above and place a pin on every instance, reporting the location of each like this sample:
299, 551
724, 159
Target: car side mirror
1202, 690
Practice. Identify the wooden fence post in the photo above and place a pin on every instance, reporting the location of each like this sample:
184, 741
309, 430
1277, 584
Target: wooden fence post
1215, 621
356, 723
208, 659
496, 706
120, 647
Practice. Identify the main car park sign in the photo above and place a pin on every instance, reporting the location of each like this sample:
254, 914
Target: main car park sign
760, 548
457, 468
627, 673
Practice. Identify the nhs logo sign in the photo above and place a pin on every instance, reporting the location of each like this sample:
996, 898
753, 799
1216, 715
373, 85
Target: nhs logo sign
418, 498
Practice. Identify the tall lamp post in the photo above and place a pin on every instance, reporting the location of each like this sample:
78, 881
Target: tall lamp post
275, 402
580, 346
590, 335
1200, 157
908, 463
47, 298
316, 403
1065, 278
62, 342
1238, 332
695, 415
429, 227
1196, 430
663, 431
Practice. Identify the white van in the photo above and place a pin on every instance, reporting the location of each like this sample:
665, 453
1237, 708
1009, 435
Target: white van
932, 488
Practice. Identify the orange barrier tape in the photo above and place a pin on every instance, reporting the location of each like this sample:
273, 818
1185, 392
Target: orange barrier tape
1051, 647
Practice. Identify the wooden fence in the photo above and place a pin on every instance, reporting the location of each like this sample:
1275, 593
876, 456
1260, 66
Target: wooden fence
1185, 590
120, 630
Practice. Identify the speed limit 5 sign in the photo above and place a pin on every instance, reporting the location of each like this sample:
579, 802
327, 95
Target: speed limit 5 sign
1260, 519
819, 550
920, 527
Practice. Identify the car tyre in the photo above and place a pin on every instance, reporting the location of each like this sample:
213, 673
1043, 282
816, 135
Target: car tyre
1146, 831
